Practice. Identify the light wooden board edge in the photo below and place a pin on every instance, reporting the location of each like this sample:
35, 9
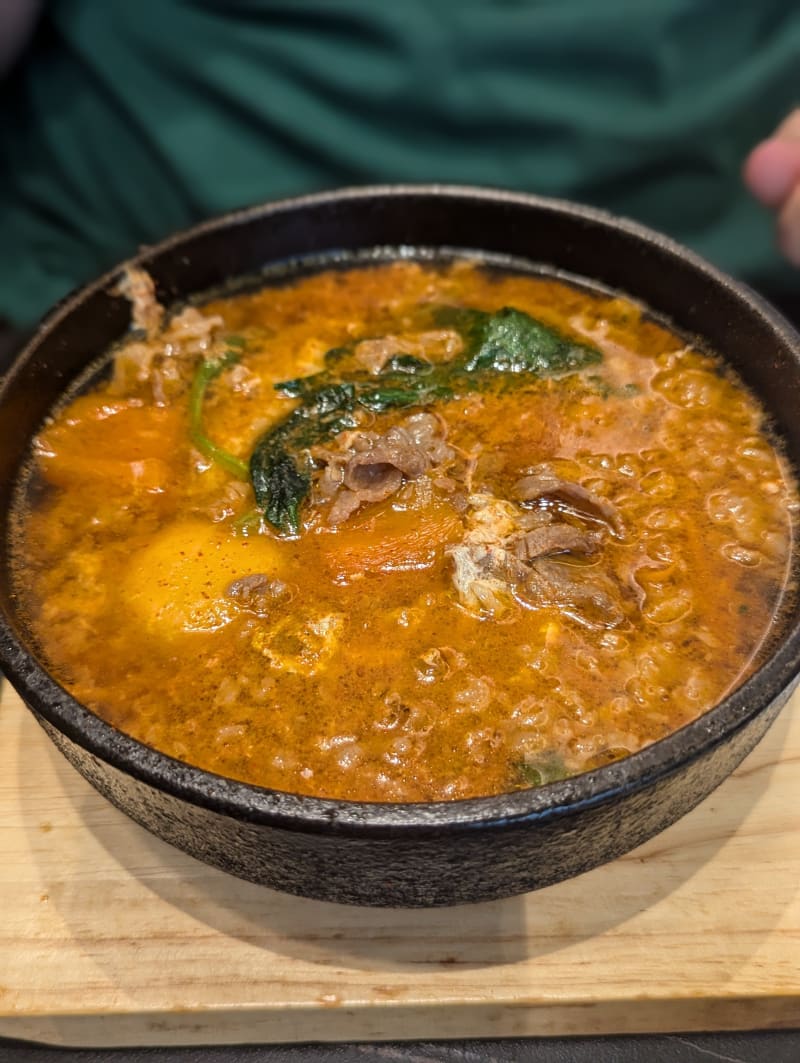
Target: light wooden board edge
424, 1023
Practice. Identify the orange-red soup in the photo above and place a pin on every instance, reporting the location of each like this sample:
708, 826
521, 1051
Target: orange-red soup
510, 584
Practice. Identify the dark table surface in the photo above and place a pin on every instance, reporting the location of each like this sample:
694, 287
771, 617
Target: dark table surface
756, 1047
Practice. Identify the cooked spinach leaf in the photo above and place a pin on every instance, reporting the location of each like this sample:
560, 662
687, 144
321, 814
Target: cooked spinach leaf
280, 487
279, 470
511, 341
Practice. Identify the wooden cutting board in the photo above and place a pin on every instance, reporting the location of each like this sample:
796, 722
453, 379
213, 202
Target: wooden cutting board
110, 937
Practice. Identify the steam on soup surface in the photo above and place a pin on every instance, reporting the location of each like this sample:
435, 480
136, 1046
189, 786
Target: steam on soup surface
404, 532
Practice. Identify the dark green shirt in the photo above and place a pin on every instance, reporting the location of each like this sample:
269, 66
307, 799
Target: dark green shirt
130, 118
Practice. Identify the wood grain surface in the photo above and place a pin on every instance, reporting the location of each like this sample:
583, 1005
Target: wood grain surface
111, 937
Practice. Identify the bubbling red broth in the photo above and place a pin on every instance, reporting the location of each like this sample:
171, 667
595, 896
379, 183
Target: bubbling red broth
404, 532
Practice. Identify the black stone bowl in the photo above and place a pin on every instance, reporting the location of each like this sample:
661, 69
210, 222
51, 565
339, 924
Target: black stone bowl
410, 854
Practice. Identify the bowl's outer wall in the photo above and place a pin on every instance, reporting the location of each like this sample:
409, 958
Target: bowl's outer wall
442, 867
425, 864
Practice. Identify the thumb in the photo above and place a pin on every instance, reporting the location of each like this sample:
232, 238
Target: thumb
772, 169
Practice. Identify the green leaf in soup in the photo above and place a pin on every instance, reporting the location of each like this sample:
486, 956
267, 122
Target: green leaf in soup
207, 371
279, 472
280, 487
511, 341
407, 363
302, 387
336, 355
398, 392
538, 771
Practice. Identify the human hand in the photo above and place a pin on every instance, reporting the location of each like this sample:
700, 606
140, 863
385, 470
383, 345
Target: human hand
772, 173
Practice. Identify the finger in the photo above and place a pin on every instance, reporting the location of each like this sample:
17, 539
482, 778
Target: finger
772, 170
789, 129
789, 227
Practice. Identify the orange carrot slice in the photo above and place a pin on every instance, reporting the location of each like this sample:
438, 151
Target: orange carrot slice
121, 443
391, 540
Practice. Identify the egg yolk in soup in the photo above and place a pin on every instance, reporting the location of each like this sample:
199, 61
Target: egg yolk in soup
404, 532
